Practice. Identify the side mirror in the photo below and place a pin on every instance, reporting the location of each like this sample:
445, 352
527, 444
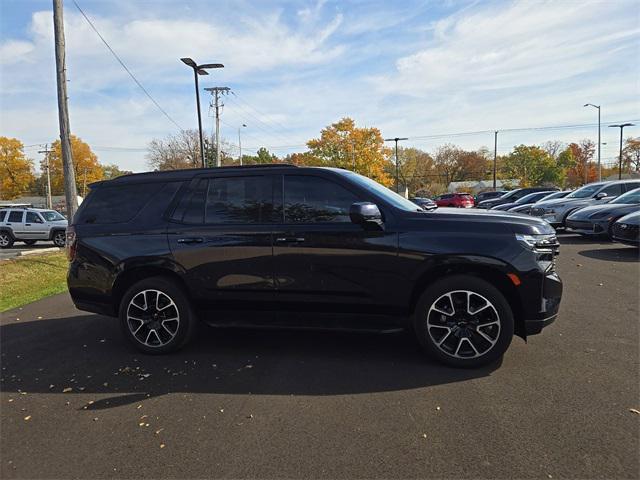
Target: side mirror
363, 213
601, 195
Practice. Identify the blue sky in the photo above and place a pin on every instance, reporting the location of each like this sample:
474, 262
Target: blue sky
410, 68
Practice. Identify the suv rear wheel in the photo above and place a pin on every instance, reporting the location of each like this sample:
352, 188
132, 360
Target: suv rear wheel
6, 239
155, 316
463, 321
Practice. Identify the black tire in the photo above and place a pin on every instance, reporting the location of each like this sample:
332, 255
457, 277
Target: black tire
464, 335
29, 242
186, 319
59, 238
6, 239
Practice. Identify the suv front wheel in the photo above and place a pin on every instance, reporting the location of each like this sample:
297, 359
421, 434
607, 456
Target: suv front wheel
463, 321
6, 239
155, 316
59, 238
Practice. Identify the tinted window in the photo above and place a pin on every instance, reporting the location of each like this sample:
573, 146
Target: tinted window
32, 217
586, 191
314, 199
3, 213
239, 200
612, 190
15, 216
191, 207
119, 203
632, 185
446, 195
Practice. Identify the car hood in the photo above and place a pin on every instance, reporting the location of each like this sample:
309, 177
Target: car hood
515, 222
571, 201
616, 209
630, 219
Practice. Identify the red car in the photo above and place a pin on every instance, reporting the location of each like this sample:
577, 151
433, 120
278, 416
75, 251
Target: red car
458, 200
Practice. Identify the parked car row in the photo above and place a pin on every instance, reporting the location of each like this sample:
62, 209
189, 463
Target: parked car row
607, 208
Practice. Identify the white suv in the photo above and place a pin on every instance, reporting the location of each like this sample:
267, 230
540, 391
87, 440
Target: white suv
29, 225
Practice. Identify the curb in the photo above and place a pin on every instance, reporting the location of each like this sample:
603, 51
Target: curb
38, 251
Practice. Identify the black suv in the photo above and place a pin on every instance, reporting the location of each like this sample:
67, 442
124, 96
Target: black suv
284, 246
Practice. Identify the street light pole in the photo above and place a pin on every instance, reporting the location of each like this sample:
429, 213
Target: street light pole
599, 143
495, 157
396, 139
621, 127
200, 70
240, 142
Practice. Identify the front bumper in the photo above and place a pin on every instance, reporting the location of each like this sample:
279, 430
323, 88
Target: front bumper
533, 327
586, 227
542, 311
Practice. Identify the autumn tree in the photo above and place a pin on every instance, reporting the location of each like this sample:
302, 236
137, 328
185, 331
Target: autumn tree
416, 169
454, 164
631, 155
344, 145
85, 165
16, 170
532, 165
582, 169
181, 150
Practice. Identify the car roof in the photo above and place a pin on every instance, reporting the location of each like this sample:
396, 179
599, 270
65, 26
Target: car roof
188, 173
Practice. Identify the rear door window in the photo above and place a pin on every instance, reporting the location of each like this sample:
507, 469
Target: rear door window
632, 186
33, 217
191, 207
3, 214
309, 199
612, 190
15, 216
118, 203
239, 200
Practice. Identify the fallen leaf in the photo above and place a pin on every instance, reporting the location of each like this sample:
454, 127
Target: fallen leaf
437, 408
139, 406
633, 410
95, 419
601, 284
27, 418
424, 435
67, 390
162, 445
158, 431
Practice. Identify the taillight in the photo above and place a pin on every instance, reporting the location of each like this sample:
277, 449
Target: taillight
70, 244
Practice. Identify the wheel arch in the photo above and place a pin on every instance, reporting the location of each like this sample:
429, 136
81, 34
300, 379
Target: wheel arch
55, 230
489, 273
134, 274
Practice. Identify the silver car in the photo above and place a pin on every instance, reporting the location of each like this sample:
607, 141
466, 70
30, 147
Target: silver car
556, 211
30, 225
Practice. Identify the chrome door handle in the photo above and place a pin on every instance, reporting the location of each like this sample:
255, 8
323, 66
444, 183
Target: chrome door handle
191, 240
289, 239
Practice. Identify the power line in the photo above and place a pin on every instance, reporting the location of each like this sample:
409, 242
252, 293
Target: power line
126, 68
284, 129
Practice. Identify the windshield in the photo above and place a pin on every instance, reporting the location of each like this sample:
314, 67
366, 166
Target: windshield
390, 196
509, 194
586, 191
532, 197
51, 216
630, 197
555, 195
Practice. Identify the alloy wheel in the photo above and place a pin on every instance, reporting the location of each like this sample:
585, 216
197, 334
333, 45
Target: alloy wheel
59, 239
153, 318
463, 324
4, 239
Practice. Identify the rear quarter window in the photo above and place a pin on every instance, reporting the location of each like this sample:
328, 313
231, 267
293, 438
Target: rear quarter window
118, 203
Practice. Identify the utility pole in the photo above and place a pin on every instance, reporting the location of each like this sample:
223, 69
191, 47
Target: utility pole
396, 139
46, 152
495, 157
217, 93
599, 165
70, 193
240, 141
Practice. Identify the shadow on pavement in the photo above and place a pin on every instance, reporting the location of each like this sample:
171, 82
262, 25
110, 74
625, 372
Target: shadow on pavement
87, 354
623, 254
575, 239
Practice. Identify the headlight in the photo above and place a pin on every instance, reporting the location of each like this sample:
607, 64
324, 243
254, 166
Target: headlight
545, 241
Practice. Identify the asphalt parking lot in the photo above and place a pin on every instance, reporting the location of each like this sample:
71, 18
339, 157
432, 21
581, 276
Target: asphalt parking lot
297, 405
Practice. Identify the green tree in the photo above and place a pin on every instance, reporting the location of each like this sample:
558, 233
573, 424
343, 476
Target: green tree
532, 165
112, 171
16, 170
